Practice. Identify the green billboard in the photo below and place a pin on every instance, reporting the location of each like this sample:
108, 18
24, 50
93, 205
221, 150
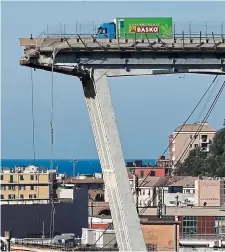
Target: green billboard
144, 27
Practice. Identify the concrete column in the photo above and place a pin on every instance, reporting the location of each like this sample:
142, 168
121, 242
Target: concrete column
125, 219
175, 238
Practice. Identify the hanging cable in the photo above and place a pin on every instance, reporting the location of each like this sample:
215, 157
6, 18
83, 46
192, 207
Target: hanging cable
208, 99
32, 112
205, 118
201, 112
107, 228
52, 112
192, 112
202, 123
52, 220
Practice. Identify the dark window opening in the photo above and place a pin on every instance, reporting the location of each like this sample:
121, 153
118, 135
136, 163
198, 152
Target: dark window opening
105, 212
11, 179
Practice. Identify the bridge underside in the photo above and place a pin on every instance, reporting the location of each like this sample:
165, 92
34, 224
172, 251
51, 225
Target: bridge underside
93, 62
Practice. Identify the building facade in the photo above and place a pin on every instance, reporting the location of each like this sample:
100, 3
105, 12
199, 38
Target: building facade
24, 183
210, 192
190, 137
34, 220
195, 221
142, 172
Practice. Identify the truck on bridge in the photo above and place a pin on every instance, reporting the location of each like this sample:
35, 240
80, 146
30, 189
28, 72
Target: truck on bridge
136, 28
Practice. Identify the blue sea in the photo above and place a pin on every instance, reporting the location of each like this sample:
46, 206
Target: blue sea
82, 166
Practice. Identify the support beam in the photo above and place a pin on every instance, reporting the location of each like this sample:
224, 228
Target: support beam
125, 219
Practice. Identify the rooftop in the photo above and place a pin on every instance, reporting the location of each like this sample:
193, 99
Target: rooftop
88, 180
25, 169
195, 127
188, 211
154, 181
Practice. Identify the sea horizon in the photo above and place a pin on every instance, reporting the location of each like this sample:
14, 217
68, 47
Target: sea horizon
66, 166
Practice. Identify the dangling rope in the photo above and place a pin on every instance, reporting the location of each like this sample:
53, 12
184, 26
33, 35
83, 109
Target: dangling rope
52, 221
52, 111
32, 112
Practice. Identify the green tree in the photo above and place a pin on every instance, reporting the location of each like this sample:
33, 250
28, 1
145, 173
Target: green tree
213, 165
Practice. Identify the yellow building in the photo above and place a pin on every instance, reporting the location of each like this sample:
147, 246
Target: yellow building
26, 183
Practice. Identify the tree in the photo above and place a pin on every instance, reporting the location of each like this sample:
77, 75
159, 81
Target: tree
213, 165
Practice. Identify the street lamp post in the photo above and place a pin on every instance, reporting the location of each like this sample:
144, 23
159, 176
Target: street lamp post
74, 167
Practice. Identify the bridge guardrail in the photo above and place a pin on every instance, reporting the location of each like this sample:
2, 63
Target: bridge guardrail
189, 29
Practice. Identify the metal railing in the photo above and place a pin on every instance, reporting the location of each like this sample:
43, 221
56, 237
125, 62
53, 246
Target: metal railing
188, 29
71, 245
202, 237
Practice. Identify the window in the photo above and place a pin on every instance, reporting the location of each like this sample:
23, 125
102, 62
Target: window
219, 225
21, 196
2, 177
122, 24
190, 145
189, 225
22, 187
32, 187
143, 191
12, 196
2, 187
21, 177
204, 138
196, 136
35, 196
2, 196
142, 174
11, 179
152, 173
196, 145
191, 137
12, 187
31, 177
30, 196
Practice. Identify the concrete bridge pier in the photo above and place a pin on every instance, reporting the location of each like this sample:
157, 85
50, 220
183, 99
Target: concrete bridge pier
102, 117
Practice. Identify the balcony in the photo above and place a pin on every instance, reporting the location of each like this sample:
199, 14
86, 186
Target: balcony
204, 149
204, 140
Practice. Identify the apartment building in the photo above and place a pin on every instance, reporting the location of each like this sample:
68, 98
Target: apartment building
188, 139
27, 183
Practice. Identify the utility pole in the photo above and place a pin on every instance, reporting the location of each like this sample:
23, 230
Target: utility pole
136, 188
8, 238
43, 230
159, 207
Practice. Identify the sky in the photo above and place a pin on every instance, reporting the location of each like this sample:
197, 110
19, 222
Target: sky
147, 108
